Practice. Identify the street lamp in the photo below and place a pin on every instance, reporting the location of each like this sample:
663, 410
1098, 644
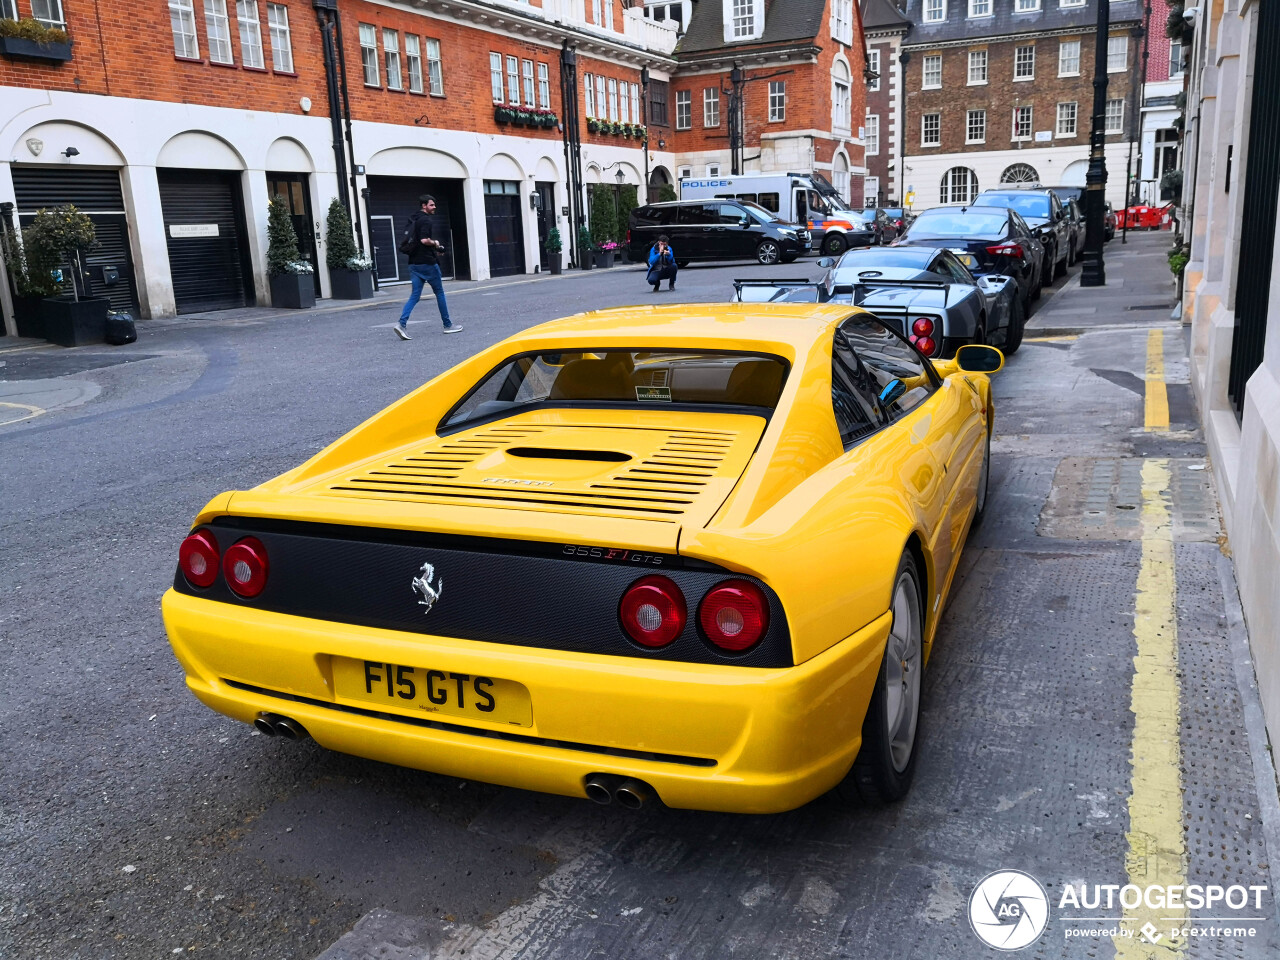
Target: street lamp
1093, 273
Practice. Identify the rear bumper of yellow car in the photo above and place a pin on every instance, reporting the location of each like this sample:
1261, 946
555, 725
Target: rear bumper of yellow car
708, 737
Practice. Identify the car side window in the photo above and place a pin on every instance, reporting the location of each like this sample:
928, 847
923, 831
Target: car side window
958, 270
1020, 224
853, 396
700, 213
731, 213
887, 357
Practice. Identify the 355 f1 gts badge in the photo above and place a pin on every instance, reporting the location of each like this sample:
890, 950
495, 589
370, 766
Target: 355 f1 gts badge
424, 588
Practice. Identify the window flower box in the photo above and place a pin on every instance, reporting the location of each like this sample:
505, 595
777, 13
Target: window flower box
55, 52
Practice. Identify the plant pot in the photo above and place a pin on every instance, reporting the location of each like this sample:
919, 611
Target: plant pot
293, 291
604, 258
350, 284
588, 262
31, 50
555, 263
74, 323
27, 316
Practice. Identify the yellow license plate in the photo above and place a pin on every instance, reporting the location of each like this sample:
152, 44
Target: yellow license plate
436, 692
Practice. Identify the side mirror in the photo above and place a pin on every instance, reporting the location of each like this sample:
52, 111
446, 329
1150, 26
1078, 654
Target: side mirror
892, 391
826, 262
744, 223
979, 358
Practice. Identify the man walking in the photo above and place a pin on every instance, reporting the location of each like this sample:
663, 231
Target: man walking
424, 266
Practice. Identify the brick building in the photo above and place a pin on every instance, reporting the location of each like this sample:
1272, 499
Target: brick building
885, 28
1160, 147
1000, 91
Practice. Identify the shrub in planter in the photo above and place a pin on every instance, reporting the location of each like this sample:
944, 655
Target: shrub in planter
593, 125
585, 249
604, 224
30, 269
290, 276
53, 247
553, 246
31, 38
350, 273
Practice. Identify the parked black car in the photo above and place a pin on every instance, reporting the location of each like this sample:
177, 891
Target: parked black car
716, 230
986, 240
1075, 217
1043, 212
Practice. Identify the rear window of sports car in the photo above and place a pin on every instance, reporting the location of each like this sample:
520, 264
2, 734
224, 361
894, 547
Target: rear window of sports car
648, 378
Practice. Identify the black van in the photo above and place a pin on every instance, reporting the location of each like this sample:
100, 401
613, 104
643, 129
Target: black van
715, 230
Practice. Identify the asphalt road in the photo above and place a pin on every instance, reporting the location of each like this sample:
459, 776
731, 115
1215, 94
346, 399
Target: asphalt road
136, 823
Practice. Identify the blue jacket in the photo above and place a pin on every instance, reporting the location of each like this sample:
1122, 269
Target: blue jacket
667, 258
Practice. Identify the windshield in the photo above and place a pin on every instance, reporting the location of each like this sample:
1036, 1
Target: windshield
898, 258
956, 224
759, 212
604, 377
1027, 204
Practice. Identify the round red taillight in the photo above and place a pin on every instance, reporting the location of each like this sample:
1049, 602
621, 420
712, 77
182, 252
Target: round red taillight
926, 345
734, 615
923, 327
198, 559
245, 567
653, 611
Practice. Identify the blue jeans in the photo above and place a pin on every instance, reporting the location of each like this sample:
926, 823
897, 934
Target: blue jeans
428, 273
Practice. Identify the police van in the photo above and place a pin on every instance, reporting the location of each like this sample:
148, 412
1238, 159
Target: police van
804, 198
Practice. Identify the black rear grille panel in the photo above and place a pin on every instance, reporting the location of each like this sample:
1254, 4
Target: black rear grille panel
518, 593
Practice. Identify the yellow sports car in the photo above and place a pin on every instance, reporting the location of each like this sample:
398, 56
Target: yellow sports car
694, 553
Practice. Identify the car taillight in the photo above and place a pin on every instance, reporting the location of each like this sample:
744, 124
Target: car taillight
922, 327
734, 615
653, 611
1006, 250
628, 238
245, 567
926, 345
198, 559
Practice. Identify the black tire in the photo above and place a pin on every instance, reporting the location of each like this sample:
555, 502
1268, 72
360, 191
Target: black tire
768, 252
886, 764
1060, 268
834, 244
682, 264
1047, 269
1071, 255
984, 480
1013, 334
1038, 287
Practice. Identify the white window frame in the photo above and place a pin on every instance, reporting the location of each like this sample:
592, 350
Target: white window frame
597, 12
589, 95
777, 101
496, 88
870, 191
924, 129
1068, 119
413, 61
613, 100
513, 81
1176, 71
281, 38
1117, 115
217, 29
1065, 58
435, 67
544, 86
182, 20
602, 100
530, 91
949, 192
935, 11
1117, 54
369, 55
980, 8
1031, 122
933, 60
635, 103
873, 65
981, 116
1071, 3
713, 169
684, 109
608, 14
624, 101
742, 19
250, 35
8, 9
1026, 6
1020, 61
49, 13
982, 60
391, 58
871, 135
684, 173
711, 106
842, 21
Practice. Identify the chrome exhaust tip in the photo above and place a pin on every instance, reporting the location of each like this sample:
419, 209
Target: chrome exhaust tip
634, 794
599, 787
290, 729
263, 724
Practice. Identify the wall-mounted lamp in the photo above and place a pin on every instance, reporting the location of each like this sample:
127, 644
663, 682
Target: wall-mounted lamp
70, 152
662, 144
422, 121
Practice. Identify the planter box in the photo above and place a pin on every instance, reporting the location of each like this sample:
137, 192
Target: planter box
604, 258
30, 50
555, 262
293, 291
28, 316
74, 323
351, 284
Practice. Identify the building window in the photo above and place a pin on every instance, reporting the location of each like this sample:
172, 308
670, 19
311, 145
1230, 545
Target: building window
250, 33
413, 61
182, 18
871, 135
597, 12
1024, 62
657, 112
495, 80
217, 27
935, 11
840, 175
979, 8
1067, 119
1069, 58
624, 101
777, 101
48, 13
602, 102
1115, 116
977, 67
613, 100
685, 173
959, 185
842, 21
8, 9
526, 73
1026, 6
589, 95
1022, 123
281, 41
1071, 3
369, 54
544, 87
744, 18
711, 107
608, 14
635, 103
713, 169
435, 68
1175, 59
931, 130
513, 81
976, 127
1117, 54
873, 67
391, 57
933, 72
1020, 173
841, 116
684, 109
870, 191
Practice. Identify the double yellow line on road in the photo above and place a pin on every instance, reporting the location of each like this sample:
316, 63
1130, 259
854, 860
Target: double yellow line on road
1157, 395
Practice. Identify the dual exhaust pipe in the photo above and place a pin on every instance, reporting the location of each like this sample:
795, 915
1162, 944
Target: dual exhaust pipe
606, 788
274, 725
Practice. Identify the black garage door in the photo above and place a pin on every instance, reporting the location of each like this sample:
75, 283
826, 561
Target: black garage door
109, 265
392, 200
208, 248
504, 226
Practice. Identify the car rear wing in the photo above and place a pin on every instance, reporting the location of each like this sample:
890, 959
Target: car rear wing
773, 291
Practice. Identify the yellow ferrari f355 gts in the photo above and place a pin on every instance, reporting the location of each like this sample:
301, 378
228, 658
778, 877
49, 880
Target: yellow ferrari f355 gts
693, 554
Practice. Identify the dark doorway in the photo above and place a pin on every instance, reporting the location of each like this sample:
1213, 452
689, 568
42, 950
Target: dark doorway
546, 220
505, 227
292, 189
392, 200
208, 244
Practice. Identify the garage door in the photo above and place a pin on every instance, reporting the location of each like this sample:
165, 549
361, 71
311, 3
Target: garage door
391, 202
208, 246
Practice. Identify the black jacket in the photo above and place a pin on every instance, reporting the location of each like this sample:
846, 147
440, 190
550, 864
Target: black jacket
419, 228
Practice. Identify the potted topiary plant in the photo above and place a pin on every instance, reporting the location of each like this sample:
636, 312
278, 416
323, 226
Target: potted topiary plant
553, 246
586, 249
61, 237
31, 280
350, 272
604, 224
291, 280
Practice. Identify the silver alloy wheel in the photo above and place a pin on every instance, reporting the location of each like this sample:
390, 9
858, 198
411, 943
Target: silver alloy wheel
902, 670
985, 476
768, 252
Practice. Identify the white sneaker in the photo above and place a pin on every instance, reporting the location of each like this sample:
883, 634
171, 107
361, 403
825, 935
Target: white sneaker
453, 328
402, 333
